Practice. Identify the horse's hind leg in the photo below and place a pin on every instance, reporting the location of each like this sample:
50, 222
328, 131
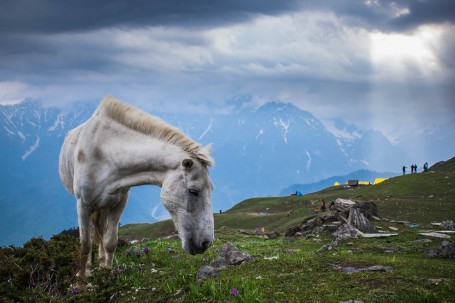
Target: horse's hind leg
85, 235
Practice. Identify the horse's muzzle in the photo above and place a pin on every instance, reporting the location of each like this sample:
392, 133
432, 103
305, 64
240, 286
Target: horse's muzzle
198, 248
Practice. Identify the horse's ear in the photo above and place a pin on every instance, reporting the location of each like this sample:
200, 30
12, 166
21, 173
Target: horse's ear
187, 163
207, 149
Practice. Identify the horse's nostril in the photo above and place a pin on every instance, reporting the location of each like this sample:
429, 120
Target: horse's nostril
206, 244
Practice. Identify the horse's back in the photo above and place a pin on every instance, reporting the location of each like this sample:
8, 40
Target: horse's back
66, 159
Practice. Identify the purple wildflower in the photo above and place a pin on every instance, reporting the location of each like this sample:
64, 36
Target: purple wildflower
146, 250
206, 260
234, 292
128, 254
118, 270
74, 291
138, 254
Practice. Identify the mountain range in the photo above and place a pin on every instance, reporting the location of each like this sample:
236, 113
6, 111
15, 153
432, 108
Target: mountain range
258, 152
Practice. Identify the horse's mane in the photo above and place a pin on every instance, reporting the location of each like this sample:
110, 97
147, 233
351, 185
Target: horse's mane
145, 123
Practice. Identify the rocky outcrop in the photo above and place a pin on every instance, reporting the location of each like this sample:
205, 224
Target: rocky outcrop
356, 214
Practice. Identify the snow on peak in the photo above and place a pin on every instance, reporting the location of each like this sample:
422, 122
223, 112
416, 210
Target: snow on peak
31, 149
284, 125
59, 121
343, 131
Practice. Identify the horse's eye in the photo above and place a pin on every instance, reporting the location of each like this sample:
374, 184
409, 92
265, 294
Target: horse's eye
194, 192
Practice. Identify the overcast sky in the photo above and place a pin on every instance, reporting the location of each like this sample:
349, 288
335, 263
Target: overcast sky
387, 65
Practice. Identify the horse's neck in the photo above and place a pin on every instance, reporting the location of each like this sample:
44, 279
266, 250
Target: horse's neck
136, 158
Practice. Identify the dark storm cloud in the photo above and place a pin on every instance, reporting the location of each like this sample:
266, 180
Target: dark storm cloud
388, 15
46, 16
426, 12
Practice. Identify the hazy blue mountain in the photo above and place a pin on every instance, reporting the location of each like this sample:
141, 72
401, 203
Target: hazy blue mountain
258, 152
361, 175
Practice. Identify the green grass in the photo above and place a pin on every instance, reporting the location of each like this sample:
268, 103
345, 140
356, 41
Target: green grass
44, 271
300, 274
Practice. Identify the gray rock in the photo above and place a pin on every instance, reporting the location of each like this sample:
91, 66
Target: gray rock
359, 220
445, 251
271, 235
291, 231
207, 271
447, 225
229, 255
374, 268
346, 231
325, 247
311, 224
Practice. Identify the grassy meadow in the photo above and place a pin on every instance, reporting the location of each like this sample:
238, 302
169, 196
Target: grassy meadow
281, 270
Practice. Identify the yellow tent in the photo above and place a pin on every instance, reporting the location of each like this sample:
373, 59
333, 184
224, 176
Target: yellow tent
379, 180
336, 184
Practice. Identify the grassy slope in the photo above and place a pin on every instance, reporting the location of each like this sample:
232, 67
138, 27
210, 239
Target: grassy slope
301, 274
282, 270
421, 198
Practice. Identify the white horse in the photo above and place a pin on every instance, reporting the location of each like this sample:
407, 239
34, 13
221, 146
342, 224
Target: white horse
120, 147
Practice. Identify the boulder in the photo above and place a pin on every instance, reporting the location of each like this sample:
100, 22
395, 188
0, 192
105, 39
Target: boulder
207, 271
445, 251
447, 225
272, 235
291, 231
359, 220
228, 256
310, 224
346, 231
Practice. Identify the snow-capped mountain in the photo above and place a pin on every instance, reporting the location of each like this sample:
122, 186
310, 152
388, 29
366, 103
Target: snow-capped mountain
257, 152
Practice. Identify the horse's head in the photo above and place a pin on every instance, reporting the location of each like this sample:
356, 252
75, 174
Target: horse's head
187, 194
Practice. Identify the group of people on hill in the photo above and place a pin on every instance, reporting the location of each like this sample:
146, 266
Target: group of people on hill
414, 168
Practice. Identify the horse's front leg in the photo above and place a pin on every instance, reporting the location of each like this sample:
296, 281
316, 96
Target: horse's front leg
85, 235
110, 237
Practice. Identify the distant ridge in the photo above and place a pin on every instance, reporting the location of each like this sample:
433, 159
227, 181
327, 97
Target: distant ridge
448, 165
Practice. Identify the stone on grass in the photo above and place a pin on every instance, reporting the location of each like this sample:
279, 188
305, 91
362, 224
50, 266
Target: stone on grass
448, 225
445, 251
229, 255
359, 220
207, 271
374, 268
346, 231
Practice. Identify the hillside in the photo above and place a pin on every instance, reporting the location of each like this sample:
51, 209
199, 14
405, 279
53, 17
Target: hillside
442, 166
400, 268
423, 198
